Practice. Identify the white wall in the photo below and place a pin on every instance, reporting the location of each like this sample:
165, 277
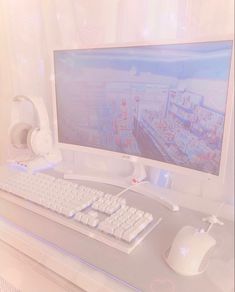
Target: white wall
29, 30
5, 87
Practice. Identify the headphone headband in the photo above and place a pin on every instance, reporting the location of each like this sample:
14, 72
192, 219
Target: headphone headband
40, 109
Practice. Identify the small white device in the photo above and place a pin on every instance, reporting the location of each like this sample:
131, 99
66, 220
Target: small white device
188, 251
190, 247
37, 139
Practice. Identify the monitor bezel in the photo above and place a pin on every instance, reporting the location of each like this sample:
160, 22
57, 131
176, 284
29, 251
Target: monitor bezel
146, 161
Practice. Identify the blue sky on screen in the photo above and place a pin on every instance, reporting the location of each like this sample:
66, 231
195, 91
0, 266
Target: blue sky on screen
199, 60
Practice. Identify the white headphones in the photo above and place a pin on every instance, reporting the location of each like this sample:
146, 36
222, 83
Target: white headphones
38, 139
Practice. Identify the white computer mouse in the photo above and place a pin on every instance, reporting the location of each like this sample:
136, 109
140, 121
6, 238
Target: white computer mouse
188, 250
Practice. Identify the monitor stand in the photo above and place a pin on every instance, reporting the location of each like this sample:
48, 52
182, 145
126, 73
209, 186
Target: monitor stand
93, 169
137, 175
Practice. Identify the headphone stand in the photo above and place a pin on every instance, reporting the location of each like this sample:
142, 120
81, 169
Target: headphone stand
38, 163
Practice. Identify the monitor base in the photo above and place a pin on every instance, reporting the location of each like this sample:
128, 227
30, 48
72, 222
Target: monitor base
79, 166
139, 174
125, 183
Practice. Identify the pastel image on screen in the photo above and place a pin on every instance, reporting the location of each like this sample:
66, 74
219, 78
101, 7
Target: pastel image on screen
165, 103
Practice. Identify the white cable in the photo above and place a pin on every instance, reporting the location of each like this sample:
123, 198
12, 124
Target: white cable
221, 205
213, 219
130, 187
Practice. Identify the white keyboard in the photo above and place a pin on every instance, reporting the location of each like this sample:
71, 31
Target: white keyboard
104, 217
6, 286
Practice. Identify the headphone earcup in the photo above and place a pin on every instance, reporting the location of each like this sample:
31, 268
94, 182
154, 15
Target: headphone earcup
30, 138
19, 135
39, 141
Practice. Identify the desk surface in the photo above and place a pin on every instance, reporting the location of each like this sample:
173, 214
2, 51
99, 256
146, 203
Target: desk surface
144, 269
22, 272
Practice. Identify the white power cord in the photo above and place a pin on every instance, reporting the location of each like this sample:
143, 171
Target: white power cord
131, 187
163, 201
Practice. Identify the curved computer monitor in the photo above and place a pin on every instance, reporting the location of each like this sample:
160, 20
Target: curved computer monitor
169, 105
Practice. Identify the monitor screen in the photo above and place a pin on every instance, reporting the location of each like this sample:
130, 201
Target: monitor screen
161, 102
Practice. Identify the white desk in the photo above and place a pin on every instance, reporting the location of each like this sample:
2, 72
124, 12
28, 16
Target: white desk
27, 275
101, 268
